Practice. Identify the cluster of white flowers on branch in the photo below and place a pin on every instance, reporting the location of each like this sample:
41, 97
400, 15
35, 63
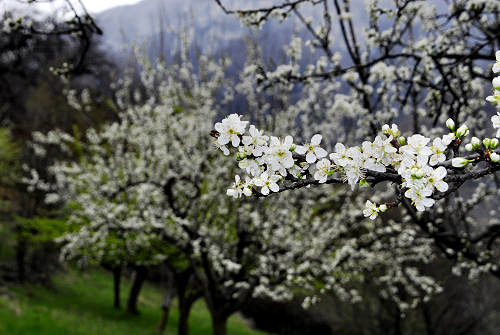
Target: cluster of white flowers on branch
417, 164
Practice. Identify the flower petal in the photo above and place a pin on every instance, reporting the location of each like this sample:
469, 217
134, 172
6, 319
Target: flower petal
300, 149
320, 152
316, 139
264, 190
274, 187
310, 158
235, 140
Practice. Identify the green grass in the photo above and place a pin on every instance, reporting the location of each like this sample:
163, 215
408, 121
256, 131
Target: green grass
80, 303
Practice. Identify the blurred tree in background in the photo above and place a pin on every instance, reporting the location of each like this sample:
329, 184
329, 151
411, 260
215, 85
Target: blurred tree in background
33, 96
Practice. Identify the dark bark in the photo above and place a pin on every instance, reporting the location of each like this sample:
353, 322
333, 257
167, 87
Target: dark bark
183, 283
165, 312
168, 277
219, 323
21, 257
117, 272
185, 304
427, 320
165, 307
139, 277
397, 322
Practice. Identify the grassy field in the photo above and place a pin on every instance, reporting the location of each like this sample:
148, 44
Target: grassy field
80, 304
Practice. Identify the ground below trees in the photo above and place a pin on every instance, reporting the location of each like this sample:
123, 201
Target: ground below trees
80, 303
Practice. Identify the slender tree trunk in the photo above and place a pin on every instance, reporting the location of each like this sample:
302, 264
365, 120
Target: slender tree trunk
21, 257
165, 310
397, 323
117, 273
219, 323
139, 277
185, 305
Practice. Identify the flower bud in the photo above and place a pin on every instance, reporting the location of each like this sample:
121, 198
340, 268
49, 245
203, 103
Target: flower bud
394, 131
450, 124
401, 140
240, 156
495, 158
494, 143
459, 162
447, 139
494, 98
383, 208
417, 173
385, 128
462, 131
496, 83
476, 142
487, 142
469, 147
363, 183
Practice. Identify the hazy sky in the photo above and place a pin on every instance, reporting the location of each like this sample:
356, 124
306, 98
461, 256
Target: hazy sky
95, 6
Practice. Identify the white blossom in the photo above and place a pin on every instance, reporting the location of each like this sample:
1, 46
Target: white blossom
257, 141
495, 120
312, 150
267, 182
230, 130
322, 170
370, 210
438, 149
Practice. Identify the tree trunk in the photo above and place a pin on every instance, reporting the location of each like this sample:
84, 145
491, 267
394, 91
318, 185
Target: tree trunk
165, 308
117, 272
185, 305
139, 277
397, 322
21, 257
219, 323
165, 311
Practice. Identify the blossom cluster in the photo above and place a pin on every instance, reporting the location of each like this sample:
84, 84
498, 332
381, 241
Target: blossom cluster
416, 162
495, 98
268, 161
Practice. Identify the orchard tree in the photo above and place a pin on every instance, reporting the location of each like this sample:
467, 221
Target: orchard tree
148, 181
421, 65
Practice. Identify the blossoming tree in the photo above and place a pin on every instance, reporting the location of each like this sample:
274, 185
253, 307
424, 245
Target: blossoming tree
413, 62
144, 184
151, 177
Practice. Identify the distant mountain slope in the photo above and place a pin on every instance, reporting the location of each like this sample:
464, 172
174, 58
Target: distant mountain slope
139, 22
146, 24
